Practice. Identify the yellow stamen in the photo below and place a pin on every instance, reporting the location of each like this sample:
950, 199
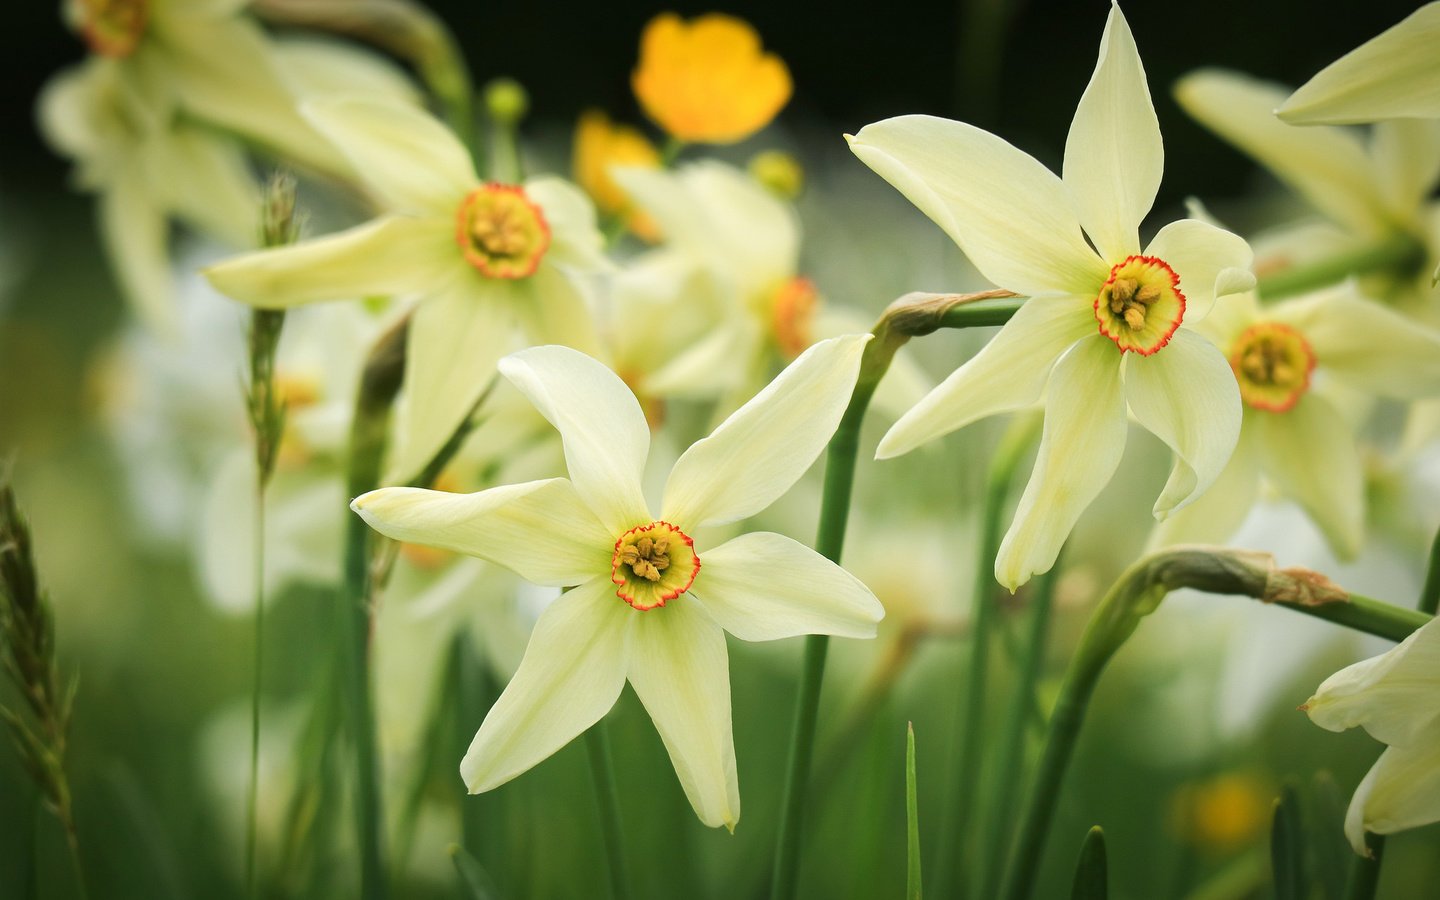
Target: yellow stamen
1140, 305
1272, 364
653, 564
501, 232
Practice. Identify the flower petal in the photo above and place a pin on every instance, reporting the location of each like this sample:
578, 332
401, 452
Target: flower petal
1407, 158
1366, 344
1395, 75
681, 672
553, 309
1327, 166
206, 181
1186, 395
134, 232
1210, 261
575, 239
389, 255
1401, 791
454, 341
600, 423
1391, 695
1218, 513
1009, 213
404, 156
1009, 373
764, 587
764, 447
541, 530
1309, 453
571, 676
1114, 158
1083, 441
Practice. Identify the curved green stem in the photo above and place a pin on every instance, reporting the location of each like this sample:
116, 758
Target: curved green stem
1138, 593
597, 745
1397, 252
1430, 593
251, 817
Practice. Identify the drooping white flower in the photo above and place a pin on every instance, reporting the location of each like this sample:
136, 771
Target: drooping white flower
1286, 359
1393, 697
483, 259
1105, 327
641, 606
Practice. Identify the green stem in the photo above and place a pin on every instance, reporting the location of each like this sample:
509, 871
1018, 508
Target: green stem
1397, 252
1365, 873
252, 882
597, 745
1430, 594
1138, 593
1012, 736
671, 152
368, 434
982, 615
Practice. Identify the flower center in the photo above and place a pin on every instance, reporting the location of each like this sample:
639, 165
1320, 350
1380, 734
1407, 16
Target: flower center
501, 232
1272, 363
113, 27
653, 564
1140, 304
792, 315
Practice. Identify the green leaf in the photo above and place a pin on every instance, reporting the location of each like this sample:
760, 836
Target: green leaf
912, 818
473, 877
1287, 847
1092, 877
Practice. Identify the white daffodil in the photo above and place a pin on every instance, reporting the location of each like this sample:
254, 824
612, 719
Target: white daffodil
1105, 325
731, 262
1392, 696
482, 259
1395, 75
640, 606
1373, 191
1285, 358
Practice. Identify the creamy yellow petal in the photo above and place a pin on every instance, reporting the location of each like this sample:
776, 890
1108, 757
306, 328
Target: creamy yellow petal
1210, 261
1391, 695
1218, 513
1309, 453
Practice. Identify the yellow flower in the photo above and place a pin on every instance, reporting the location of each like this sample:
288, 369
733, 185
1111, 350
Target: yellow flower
601, 144
708, 81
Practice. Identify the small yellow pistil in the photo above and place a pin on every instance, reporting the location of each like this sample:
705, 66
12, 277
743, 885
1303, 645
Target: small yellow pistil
653, 564
1272, 363
114, 27
792, 315
1140, 305
501, 232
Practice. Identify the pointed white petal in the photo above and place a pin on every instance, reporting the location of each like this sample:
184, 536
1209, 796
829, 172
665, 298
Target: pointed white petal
764, 447
1395, 75
600, 423
541, 530
1407, 157
206, 180
404, 156
1309, 453
904, 384
553, 309
1185, 394
1392, 695
1401, 791
1009, 373
707, 367
764, 587
1210, 261
134, 232
389, 255
1083, 441
1366, 344
1009, 213
575, 239
681, 672
1218, 513
572, 674
1113, 156
455, 339
1327, 166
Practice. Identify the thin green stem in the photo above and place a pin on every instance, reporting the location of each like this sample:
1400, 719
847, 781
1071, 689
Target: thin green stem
72, 846
1365, 873
982, 616
252, 882
602, 768
1399, 252
671, 152
1011, 745
1430, 594
1138, 593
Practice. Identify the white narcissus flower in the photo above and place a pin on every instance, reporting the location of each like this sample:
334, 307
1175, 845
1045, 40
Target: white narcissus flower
483, 259
1395, 75
1284, 358
1104, 328
1393, 697
641, 606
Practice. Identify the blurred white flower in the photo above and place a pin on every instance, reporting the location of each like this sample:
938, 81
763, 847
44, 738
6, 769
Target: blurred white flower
1104, 328
595, 532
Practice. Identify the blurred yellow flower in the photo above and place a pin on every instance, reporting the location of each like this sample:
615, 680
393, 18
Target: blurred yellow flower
601, 144
708, 81
1224, 813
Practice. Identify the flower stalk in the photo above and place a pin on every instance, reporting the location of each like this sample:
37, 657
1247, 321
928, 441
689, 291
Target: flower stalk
1137, 594
1400, 253
602, 769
